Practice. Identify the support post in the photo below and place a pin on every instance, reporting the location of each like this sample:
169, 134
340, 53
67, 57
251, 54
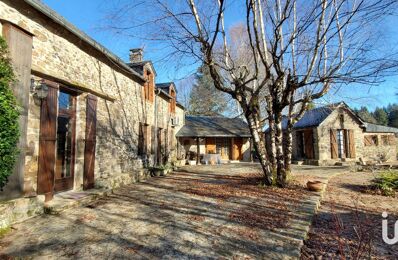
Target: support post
250, 149
197, 151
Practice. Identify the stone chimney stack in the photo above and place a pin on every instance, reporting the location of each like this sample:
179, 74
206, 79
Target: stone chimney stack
136, 55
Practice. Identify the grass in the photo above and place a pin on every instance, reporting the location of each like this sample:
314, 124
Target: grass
387, 183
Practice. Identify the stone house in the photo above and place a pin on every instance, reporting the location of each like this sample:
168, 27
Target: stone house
88, 118
203, 135
334, 134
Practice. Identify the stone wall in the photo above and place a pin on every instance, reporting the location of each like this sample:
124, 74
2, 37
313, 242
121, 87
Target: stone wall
323, 149
381, 150
61, 56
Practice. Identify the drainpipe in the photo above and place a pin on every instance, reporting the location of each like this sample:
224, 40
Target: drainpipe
155, 116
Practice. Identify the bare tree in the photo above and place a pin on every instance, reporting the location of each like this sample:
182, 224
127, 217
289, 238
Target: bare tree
295, 52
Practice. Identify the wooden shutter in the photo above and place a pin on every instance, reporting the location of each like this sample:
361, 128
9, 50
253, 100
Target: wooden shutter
48, 123
20, 52
309, 144
333, 144
153, 137
391, 140
368, 141
141, 139
91, 134
351, 144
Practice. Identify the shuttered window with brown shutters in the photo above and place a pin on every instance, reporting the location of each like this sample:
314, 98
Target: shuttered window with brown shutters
333, 144
370, 140
91, 134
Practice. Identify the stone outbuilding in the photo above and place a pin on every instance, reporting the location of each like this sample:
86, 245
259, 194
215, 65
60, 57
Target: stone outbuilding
227, 137
333, 134
88, 119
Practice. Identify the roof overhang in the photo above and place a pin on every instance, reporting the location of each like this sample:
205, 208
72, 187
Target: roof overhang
58, 19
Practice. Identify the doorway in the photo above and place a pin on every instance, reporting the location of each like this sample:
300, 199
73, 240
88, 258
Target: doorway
223, 147
65, 148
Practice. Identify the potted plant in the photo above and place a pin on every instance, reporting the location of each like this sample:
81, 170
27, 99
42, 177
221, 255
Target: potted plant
315, 186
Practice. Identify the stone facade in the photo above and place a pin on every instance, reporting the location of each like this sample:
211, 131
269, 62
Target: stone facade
341, 118
385, 148
61, 56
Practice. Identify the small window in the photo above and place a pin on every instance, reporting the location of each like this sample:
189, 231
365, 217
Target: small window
388, 140
371, 140
341, 118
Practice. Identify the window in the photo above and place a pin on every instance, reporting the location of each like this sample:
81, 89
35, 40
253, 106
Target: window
340, 143
388, 140
371, 140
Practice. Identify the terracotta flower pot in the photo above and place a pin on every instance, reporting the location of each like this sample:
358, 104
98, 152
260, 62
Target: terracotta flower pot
315, 185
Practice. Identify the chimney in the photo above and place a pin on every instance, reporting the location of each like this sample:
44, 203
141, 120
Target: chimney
136, 55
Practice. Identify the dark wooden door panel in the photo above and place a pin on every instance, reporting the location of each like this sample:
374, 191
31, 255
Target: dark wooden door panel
48, 117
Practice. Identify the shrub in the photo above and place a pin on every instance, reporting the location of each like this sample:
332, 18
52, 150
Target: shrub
387, 183
9, 113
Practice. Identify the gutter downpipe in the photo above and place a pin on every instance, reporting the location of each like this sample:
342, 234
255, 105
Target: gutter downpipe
155, 157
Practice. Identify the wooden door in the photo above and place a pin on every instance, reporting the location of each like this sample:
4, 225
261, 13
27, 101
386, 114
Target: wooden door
237, 149
89, 149
65, 149
308, 144
210, 145
47, 141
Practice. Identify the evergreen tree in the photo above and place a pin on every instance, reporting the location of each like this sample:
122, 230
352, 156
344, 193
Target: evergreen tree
393, 117
381, 116
204, 98
365, 115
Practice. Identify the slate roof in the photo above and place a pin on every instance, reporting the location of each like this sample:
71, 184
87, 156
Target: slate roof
164, 86
373, 128
218, 126
314, 117
138, 67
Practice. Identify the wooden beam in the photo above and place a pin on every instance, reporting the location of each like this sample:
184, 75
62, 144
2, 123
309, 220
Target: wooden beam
71, 83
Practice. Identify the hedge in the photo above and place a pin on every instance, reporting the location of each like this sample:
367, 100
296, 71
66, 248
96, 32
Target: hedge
9, 114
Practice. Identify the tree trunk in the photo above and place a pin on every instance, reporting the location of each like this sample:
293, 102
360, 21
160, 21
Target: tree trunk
272, 152
288, 147
259, 147
280, 161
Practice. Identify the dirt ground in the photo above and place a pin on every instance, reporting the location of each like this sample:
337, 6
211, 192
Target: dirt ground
350, 221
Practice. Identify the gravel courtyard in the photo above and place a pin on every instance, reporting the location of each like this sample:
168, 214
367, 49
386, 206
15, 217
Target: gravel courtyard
199, 212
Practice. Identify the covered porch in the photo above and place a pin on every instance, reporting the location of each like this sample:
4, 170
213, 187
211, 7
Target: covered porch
214, 140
